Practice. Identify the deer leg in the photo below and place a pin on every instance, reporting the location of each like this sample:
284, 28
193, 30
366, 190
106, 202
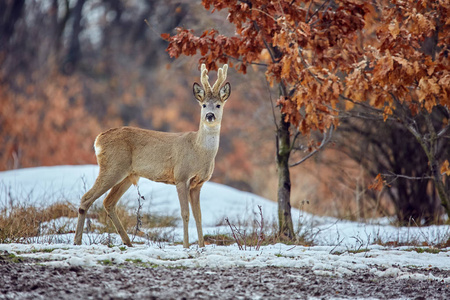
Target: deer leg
183, 196
110, 206
195, 205
103, 183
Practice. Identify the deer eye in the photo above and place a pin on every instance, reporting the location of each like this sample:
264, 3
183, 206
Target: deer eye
204, 105
218, 105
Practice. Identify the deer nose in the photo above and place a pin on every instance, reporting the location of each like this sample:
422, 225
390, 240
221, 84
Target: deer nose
210, 117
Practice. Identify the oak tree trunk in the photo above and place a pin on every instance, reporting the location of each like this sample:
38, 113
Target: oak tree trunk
429, 144
286, 227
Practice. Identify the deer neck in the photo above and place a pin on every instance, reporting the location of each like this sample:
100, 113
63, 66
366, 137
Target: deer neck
208, 137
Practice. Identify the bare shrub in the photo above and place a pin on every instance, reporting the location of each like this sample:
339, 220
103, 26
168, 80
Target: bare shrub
258, 232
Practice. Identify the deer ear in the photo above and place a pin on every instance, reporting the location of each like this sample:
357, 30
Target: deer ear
225, 92
199, 93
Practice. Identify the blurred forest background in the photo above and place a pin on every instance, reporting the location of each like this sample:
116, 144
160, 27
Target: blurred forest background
70, 69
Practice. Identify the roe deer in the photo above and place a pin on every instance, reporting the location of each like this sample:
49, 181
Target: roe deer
185, 160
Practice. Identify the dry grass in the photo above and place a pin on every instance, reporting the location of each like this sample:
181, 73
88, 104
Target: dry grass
25, 224
439, 244
219, 239
21, 222
128, 219
256, 232
106, 226
252, 240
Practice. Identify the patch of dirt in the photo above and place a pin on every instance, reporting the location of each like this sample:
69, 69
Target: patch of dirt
22, 279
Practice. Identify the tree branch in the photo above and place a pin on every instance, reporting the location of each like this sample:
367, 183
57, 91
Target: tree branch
266, 44
326, 138
293, 141
307, 12
317, 10
249, 63
396, 176
271, 104
443, 131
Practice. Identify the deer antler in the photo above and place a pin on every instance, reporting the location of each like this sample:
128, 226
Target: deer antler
221, 76
205, 79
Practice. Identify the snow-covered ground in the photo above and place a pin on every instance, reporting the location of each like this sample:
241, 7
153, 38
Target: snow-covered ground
341, 247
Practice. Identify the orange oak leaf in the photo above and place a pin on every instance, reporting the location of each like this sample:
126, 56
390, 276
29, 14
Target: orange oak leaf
445, 169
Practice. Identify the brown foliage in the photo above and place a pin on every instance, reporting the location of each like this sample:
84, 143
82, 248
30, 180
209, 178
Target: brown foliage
310, 53
42, 122
307, 49
410, 62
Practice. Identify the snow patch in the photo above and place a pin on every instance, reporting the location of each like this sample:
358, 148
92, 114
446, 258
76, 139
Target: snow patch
342, 247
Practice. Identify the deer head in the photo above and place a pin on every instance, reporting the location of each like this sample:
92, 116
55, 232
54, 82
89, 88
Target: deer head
212, 100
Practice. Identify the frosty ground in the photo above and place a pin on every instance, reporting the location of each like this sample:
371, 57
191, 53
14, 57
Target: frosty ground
348, 259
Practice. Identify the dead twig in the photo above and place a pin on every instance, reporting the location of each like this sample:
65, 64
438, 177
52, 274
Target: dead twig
234, 231
138, 213
326, 139
260, 235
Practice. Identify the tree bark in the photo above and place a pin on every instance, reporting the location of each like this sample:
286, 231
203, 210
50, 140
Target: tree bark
429, 147
286, 227
434, 168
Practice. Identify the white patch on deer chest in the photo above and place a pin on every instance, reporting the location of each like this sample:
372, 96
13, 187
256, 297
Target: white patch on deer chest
210, 138
211, 142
